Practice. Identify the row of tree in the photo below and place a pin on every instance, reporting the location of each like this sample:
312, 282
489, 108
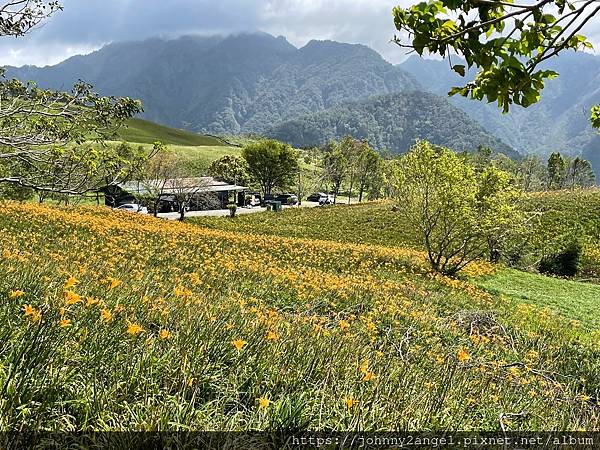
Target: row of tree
270, 165
532, 173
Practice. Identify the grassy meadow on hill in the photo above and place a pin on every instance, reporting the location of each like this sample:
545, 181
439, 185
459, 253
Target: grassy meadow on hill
140, 324
146, 132
197, 149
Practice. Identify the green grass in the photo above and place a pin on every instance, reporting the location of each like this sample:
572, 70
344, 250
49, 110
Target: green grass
198, 157
145, 132
205, 152
366, 223
574, 300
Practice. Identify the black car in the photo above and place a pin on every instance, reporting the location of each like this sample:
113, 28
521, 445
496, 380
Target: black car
285, 199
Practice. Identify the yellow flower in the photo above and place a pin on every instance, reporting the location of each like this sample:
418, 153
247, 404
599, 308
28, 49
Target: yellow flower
264, 402
181, 292
463, 355
91, 301
350, 402
133, 328
113, 283
30, 311
584, 398
238, 344
344, 325
36, 317
72, 281
164, 334
369, 376
64, 323
16, 294
364, 367
71, 298
272, 336
106, 315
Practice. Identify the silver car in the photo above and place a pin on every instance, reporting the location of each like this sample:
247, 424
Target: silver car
133, 207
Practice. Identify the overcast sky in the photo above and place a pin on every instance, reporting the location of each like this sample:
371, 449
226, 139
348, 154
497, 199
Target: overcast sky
86, 25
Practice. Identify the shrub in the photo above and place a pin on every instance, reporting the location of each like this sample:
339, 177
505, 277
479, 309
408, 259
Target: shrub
565, 263
232, 209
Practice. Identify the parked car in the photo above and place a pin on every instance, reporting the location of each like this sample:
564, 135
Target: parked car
133, 207
285, 199
321, 197
253, 199
326, 199
316, 196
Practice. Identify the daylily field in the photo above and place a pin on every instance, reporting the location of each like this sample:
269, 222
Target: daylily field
115, 321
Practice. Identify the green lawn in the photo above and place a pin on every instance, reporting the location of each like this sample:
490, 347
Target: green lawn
572, 299
199, 156
366, 223
205, 152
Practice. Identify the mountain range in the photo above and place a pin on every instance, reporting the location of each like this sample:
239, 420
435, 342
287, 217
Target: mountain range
236, 84
559, 122
258, 83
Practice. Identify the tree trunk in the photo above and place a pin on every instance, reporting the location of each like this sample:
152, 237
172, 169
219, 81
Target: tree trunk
350, 190
182, 211
361, 192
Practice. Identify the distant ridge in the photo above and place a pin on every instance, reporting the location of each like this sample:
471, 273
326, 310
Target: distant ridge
559, 122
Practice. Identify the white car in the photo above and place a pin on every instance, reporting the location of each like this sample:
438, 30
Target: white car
133, 207
326, 199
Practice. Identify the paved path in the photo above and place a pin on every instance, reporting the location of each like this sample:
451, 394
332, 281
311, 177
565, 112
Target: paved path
225, 212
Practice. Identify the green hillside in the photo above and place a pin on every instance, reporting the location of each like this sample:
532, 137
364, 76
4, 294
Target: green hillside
145, 132
392, 122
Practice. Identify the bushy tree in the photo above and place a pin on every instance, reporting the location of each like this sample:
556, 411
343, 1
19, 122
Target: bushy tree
335, 167
272, 164
558, 166
44, 133
531, 173
231, 169
351, 161
368, 165
581, 173
507, 41
460, 216
501, 220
